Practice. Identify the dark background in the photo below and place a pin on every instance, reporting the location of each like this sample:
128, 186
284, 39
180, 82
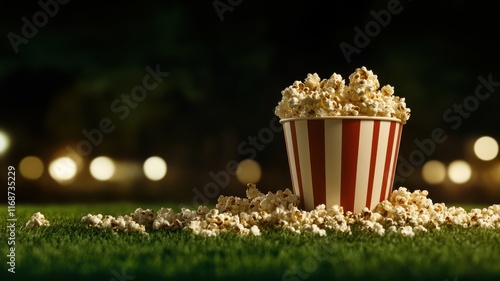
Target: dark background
225, 80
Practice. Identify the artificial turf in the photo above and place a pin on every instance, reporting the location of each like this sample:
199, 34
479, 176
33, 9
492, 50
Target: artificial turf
67, 250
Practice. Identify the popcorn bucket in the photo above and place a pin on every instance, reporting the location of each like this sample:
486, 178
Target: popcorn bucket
346, 160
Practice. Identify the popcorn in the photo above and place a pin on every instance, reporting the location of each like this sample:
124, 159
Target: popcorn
318, 231
37, 220
331, 97
378, 228
91, 220
255, 230
404, 213
134, 223
144, 217
392, 229
406, 231
419, 229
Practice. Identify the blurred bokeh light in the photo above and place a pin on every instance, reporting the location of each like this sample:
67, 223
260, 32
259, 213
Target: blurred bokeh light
155, 168
4, 142
248, 171
459, 171
31, 167
102, 168
434, 172
486, 148
63, 169
494, 174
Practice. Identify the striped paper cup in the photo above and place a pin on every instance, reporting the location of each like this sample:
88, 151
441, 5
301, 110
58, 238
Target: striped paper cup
346, 160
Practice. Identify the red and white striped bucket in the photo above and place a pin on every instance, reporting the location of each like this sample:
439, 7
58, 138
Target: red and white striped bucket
347, 160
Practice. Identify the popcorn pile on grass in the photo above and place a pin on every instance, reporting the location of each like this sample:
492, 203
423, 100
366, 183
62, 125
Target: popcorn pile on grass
405, 213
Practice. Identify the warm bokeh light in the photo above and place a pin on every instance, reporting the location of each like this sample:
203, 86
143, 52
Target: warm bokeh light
486, 148
102, 168
434, 172
248, 171
4, 142
31, 167
495, 173
63, 169
459, 171
155, 168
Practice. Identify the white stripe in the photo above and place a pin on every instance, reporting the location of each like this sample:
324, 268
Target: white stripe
333, 160
291, 157
383, 141
305, 163
363, 169
391, 167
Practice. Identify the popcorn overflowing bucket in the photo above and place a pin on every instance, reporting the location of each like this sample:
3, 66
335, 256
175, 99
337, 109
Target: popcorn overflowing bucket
346, 160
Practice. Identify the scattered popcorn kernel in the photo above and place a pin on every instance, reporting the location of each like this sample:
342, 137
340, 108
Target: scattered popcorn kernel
406, 231
37, 220
255, 230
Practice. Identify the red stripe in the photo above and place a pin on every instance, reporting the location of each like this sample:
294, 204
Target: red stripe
373, 161
297, 162
316, 132
387, 162
395, 160
350, 146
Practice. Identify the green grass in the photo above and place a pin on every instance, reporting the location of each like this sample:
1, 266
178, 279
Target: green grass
67, 250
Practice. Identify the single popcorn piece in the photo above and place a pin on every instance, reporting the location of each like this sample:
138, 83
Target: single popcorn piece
363, 96
143, 217
407, 231
37, 220
92, 221
255, 230
419, 229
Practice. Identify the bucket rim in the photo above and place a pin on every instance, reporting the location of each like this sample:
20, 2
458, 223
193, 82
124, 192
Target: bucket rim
360, 117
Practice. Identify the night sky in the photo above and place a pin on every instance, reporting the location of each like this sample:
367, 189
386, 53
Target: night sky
227, 62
